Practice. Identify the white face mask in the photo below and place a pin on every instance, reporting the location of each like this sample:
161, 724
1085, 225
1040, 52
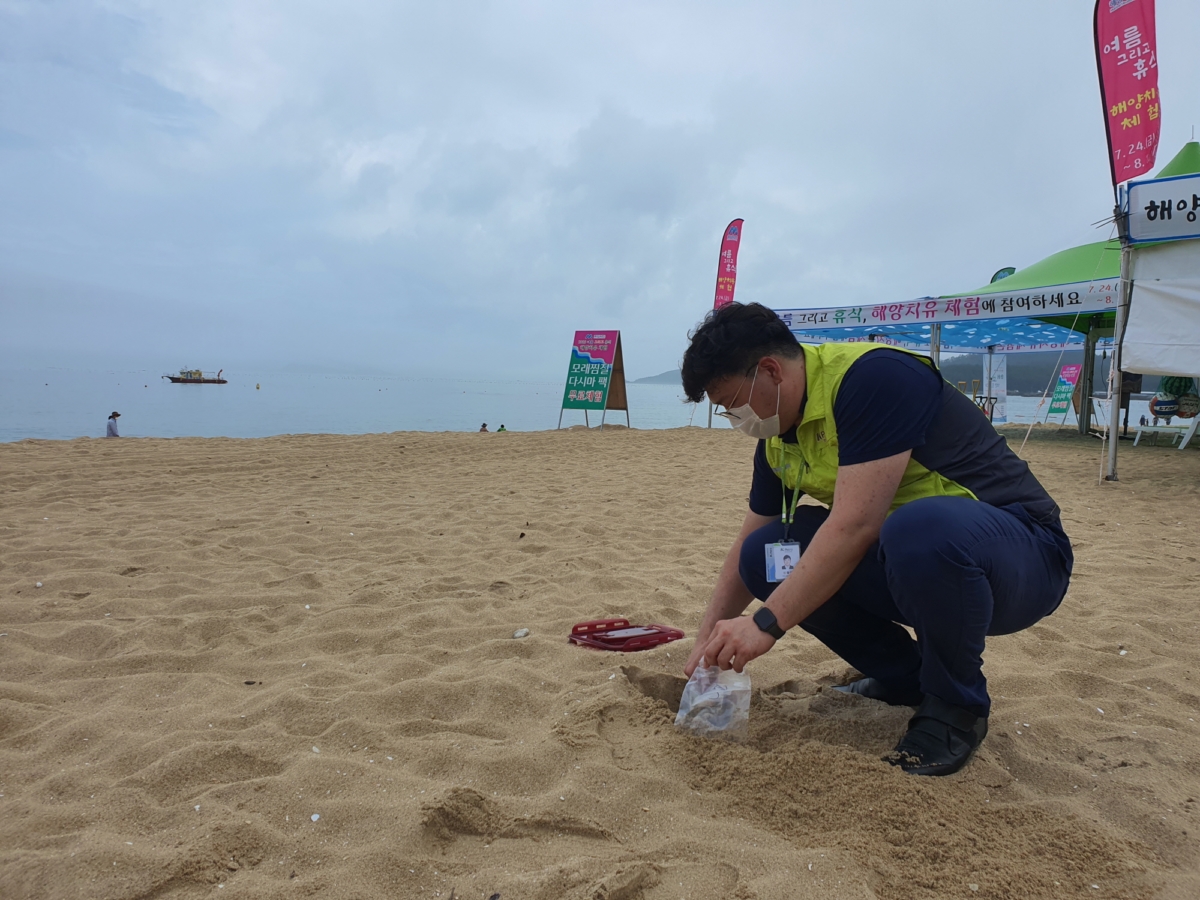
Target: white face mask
747, 421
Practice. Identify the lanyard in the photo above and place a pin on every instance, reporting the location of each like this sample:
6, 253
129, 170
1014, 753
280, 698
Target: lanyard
789, 514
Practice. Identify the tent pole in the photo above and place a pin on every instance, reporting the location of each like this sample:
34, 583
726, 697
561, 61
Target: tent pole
1114, 368
987, 385
935, 343
1089, 367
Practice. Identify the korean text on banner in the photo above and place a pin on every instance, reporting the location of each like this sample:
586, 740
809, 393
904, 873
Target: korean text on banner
727, 264
1127, 60
1061, 401
590, 373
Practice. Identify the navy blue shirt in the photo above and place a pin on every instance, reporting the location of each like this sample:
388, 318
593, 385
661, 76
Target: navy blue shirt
889, 402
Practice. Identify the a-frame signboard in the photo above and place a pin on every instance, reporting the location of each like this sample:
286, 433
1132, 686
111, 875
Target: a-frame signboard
596, 376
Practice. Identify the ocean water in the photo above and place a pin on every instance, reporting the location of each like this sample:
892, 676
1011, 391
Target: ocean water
61, 404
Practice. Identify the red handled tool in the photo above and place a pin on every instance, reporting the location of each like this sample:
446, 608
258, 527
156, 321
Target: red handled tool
618, 634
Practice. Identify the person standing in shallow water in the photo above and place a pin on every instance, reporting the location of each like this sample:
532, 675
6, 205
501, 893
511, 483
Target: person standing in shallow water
112, 425
928, 519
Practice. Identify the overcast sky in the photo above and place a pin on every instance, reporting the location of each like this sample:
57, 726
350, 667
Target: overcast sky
456, 187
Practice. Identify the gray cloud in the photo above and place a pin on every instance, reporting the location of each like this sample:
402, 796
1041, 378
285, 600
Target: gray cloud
411, 186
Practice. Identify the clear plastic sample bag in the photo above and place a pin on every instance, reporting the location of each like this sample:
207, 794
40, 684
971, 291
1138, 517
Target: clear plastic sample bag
716, 703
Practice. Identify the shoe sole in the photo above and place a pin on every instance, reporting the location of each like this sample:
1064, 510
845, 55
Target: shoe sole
935, 771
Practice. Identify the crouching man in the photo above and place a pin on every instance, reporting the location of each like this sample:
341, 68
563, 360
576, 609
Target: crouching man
928, 519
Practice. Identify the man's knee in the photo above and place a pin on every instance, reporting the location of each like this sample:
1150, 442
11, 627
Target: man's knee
752, 563
752, 549
921, 530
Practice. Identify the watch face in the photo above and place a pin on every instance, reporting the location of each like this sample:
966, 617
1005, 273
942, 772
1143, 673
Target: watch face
766, 621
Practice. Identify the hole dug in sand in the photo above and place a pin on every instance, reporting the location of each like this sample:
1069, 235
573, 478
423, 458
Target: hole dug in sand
796, 710
656, 686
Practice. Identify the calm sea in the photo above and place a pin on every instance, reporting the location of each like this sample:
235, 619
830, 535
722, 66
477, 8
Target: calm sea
59, 404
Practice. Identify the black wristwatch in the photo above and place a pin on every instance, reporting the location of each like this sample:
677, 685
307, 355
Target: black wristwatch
766, 621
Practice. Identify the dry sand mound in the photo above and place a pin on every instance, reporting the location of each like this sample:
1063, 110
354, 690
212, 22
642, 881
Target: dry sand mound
286, 667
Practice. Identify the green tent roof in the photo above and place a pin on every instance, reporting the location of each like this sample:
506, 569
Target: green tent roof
1100, 261
1186, 162
1089, 262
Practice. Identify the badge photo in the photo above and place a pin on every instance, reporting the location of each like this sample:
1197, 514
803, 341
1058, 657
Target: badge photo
781, 560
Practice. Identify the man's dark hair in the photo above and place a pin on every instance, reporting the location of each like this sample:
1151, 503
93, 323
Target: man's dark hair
730, 341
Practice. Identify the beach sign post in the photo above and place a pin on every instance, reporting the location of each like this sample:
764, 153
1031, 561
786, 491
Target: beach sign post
1061, 401
595, 376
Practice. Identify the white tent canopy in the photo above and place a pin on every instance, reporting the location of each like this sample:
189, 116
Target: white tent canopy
1162, 336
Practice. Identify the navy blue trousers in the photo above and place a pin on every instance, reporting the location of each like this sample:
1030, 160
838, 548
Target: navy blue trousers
954, 569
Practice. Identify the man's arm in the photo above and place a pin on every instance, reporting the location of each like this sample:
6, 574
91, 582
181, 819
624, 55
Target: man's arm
730, 596
861, 500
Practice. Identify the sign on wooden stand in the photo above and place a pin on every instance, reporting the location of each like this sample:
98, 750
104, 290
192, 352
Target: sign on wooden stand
596, 376
1061, 401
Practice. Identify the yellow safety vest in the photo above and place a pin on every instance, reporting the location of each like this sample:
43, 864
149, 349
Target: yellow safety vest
812, 462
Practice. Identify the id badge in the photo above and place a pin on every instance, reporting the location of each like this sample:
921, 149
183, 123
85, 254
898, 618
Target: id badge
781, 559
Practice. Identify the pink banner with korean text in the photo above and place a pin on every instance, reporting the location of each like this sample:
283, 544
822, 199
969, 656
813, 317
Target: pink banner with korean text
727, 264
1127, 63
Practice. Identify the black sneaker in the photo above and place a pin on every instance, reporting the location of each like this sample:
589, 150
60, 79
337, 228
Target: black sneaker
940, 739
878, 690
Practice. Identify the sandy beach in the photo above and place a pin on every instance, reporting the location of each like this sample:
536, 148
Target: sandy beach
286, 667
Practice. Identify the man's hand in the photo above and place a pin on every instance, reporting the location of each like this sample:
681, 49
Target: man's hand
734, 642
697, 652
730, 597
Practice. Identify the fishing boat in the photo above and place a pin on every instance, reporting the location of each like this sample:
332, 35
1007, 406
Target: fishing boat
195, 376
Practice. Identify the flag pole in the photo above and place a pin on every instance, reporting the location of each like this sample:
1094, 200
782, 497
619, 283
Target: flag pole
1115, 375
